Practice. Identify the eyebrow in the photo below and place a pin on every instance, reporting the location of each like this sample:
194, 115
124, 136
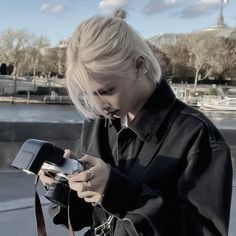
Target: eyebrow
102, 90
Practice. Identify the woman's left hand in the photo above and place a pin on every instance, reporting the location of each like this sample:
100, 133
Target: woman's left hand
90, 184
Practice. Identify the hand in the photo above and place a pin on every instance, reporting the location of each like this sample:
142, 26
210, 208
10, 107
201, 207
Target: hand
90, 183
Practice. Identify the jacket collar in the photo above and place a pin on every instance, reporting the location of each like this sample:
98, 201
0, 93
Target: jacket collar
153, 112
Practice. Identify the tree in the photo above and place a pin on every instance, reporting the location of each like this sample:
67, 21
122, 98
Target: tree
223, 59
61, 53
13, 46
21, 50
49, 61
199, 55
178, 56
161, 57
3, 69
34, 58
10, 69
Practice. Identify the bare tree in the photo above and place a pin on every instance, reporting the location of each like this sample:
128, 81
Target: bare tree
13, 46
178, 56
37, 43
161, 57
199, 56
50, 60
222, 55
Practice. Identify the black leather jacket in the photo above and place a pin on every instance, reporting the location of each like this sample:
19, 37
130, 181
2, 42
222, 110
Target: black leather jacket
180, 182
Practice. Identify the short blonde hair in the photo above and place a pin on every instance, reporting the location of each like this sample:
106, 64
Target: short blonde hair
103, 45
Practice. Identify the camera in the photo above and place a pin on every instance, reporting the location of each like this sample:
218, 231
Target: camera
38, 154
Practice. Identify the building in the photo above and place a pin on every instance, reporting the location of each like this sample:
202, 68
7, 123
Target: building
220, 29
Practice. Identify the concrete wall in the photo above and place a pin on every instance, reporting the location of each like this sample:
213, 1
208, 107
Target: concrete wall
12, 136
65, 135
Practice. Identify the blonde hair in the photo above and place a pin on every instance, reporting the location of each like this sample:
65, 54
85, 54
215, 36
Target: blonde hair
103, 45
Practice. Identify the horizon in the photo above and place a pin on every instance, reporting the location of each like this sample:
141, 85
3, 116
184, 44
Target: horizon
57, 19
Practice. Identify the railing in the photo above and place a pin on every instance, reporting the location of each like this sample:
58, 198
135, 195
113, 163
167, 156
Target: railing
56, 99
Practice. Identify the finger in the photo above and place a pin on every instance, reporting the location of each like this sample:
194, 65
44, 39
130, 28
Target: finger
91, 172
67, 153
77, 186
80, 186
41, 173
81, 176
88, 160
86, 194
45, 180
95, 198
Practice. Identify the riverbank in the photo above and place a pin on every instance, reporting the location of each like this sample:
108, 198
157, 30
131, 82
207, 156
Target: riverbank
22, 99
62, 124
65, 135
35, 99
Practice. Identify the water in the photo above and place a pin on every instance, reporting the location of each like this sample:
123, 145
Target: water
222, 119
39, 113
68, 114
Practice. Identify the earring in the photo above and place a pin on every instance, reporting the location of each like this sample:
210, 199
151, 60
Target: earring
144, 71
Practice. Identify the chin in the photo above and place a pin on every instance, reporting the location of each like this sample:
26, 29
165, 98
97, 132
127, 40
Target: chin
116, 116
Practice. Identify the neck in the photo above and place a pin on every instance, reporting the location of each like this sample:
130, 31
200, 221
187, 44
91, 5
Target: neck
140, 103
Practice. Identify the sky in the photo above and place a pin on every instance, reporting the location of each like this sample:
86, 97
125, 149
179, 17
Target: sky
57, 19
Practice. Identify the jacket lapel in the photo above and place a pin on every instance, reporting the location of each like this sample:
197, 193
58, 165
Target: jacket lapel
152, 147
148, 151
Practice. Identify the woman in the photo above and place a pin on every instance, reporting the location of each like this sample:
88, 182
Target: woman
153, 165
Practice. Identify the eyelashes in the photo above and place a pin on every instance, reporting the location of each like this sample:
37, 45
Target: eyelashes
106, 92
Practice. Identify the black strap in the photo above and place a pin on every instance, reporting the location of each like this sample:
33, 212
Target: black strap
41, 227
39, 212
71, 231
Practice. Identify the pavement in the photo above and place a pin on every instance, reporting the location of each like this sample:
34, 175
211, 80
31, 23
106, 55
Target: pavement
17, 217
17, 207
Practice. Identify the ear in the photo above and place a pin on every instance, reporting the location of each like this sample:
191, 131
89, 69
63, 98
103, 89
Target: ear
140, 64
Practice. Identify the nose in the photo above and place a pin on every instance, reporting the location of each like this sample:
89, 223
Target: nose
105, 106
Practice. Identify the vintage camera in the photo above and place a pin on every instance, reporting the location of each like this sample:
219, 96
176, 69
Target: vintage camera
38, 154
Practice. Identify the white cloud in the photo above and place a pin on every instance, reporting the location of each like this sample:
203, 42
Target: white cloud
57, 8
200, 8
183, 8
52, 8
45, 7
112, 4
159, 6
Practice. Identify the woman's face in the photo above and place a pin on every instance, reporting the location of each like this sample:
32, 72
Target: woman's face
118, 95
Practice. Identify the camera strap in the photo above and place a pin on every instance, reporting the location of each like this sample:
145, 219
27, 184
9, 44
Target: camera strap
70, 229
41, 227
39, 212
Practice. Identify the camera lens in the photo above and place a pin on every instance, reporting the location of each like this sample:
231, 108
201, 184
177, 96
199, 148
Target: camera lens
58, 192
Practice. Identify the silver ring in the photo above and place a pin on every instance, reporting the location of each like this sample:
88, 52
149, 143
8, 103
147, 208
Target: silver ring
88, 185
91, 172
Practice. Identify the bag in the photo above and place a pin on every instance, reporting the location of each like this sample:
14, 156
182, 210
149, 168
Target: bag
103, 223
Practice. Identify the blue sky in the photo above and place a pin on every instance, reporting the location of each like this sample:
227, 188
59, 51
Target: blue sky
57, 19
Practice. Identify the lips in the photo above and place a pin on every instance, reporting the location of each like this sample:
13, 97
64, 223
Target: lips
112, 112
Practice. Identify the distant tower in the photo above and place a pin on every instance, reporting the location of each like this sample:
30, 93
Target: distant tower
220, 22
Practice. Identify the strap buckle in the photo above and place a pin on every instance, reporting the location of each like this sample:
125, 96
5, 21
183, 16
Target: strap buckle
104, 229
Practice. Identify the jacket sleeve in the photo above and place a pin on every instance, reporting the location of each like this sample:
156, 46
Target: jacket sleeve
202, 204
137, 207
204, 190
